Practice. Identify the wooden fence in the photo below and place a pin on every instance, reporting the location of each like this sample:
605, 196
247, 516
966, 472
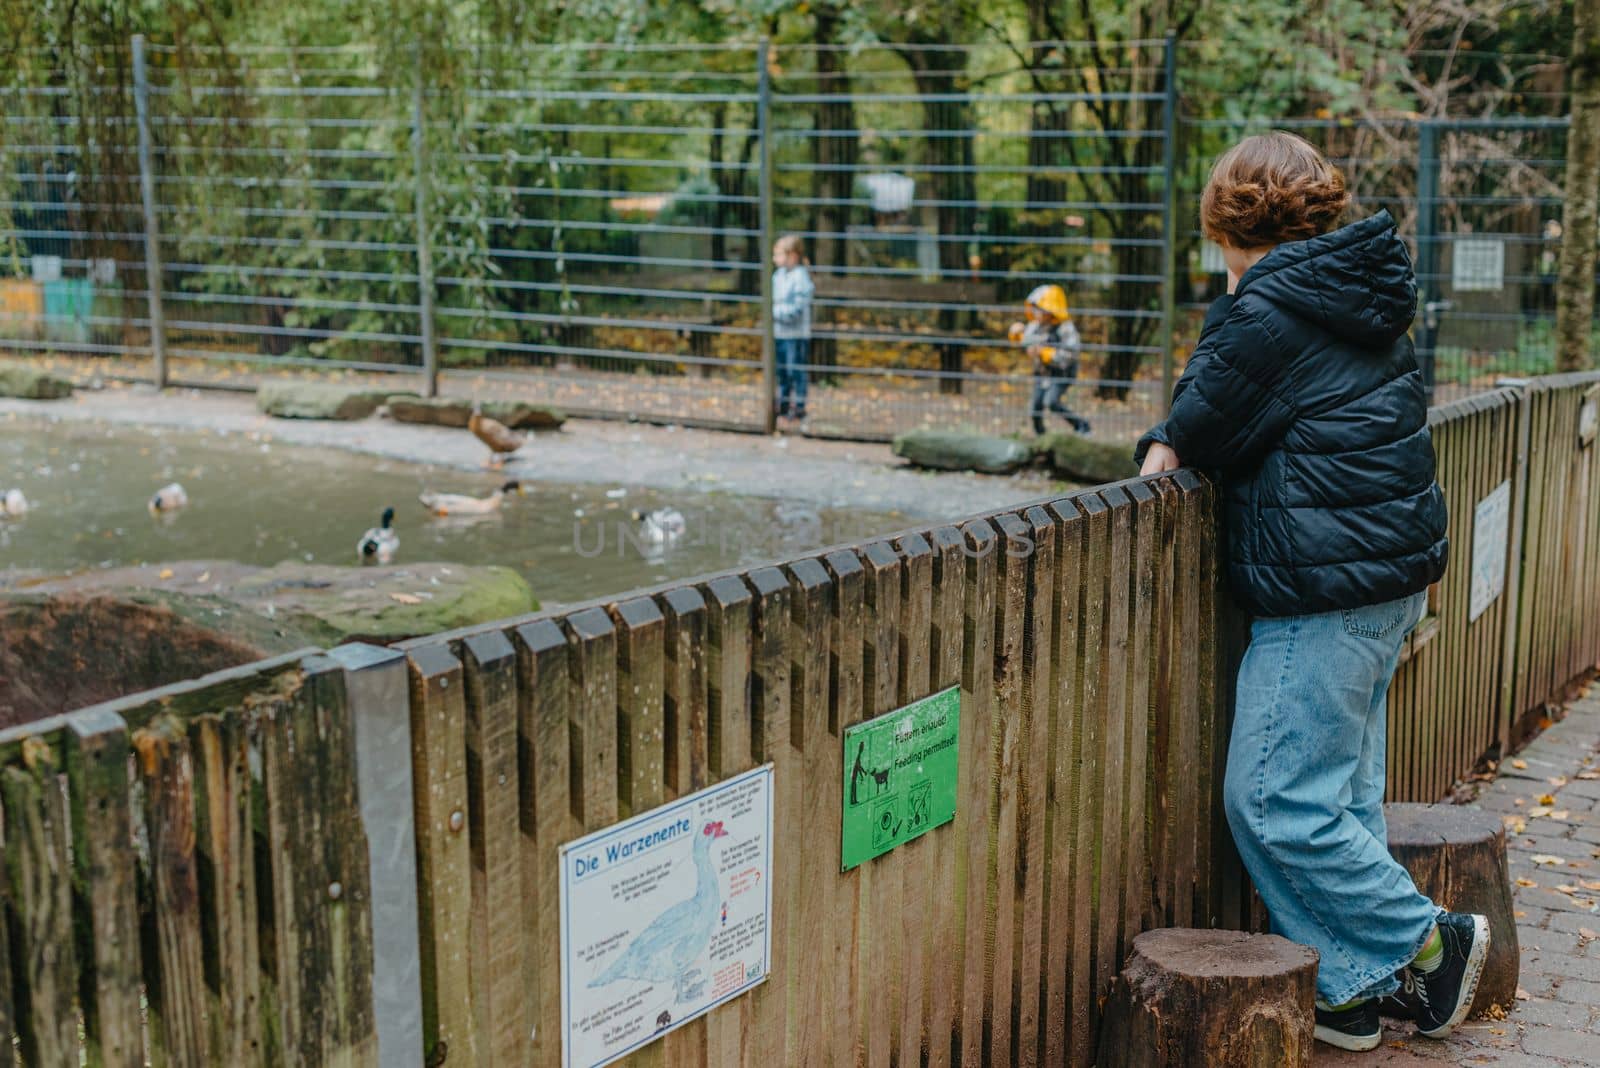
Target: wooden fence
351, 858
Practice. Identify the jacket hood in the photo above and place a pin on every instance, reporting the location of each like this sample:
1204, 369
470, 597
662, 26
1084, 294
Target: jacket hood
1355, 282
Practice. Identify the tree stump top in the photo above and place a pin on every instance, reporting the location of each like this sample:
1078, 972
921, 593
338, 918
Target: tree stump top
1208, 954
1431, 825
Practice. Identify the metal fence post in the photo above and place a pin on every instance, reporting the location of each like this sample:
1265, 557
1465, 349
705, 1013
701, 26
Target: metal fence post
419, 153
152, 225
1428, 248
375, 683
769, 374
1169, 210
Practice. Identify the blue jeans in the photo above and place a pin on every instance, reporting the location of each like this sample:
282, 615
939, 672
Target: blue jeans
1304, 792
793, 354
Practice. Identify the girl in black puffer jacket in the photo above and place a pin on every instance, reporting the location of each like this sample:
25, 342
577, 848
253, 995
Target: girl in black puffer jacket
1304, 401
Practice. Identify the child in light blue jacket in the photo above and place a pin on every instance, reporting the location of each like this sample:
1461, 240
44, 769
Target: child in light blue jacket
791, 323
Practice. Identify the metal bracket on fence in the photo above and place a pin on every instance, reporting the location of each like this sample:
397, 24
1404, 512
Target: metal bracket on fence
419, 150
152, 225
769, 373
376, 689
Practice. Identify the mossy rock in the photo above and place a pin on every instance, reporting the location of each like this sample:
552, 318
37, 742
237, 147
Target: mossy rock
318, 400
30, 383
955, 450
384, 604
1080, 459
405, 408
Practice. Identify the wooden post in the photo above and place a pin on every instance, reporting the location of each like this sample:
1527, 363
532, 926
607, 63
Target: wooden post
1457, 858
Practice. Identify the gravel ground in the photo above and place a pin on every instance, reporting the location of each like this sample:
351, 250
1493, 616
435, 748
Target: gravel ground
824, 473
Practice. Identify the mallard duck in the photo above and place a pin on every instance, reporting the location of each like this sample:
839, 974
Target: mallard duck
169, 498
461, 504
378, 545
13, 505
501, 439
660, 527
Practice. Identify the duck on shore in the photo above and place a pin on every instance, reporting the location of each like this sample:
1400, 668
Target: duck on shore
501, 439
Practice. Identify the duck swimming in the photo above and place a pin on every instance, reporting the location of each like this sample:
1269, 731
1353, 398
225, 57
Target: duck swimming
379, 544
13, 505
662, 526
462, 504
169, 498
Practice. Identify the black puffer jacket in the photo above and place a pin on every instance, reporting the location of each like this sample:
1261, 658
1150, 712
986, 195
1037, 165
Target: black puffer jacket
1304, 399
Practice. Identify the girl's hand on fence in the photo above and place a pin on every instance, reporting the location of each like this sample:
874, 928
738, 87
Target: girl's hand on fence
1160, 458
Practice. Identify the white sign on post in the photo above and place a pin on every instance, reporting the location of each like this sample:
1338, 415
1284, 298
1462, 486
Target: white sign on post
1478, 264
664, 917
1490, 524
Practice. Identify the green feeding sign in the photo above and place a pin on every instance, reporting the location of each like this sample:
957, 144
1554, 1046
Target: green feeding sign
899, 776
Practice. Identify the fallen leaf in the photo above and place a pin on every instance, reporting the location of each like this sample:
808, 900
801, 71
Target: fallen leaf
1497, 1030
1516, 825
1520, 765
1547, 799
205, 576
1523, 995
1535, 813
1546, 858
1560, 814
405, 598
1589, 774
1558, 782
1525, 882
1589, 884
1566, 888
166, 572
1585, 932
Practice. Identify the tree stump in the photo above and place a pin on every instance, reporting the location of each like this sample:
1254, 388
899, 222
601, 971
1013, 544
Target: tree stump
1211, 998
1457, 857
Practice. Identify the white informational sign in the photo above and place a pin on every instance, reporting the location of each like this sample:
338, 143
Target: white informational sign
1478, 264
46, 268
1490, 523
664, 917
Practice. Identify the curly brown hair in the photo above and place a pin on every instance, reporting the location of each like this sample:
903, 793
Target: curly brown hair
1271, 188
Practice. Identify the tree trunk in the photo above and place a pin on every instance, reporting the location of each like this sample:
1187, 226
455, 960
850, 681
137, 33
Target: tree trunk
719, 210
1575, 283
1204, 998
940, 74
1457, 858
837, 151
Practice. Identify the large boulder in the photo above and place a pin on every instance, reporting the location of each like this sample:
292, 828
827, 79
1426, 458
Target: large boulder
955, 450
31, 383
318, 400
1080, 459
438, 411
384, 604
76, 640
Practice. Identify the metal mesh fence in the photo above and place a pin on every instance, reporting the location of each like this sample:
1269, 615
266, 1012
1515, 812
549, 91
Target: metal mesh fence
590, 226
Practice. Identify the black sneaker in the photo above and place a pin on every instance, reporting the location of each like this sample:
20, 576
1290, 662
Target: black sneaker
1357, 1028
1401, 1005
1442, 998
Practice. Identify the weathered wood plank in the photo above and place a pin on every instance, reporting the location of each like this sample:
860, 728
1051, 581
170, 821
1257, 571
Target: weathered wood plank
847, 701
97, 751
1114, 738
1136, 896
973, 838
943, 985
915, 613
772, 733
178, 1002
444, 856
545, 783
489, 670
593, 665
1035, 765
1089, 779
1066, 547
687, 760
820, 773
39, 876
641, 700
728, 675
1008, 718
228, 882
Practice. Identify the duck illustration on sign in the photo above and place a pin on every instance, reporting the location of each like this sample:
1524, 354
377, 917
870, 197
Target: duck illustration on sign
664, 950
664, 917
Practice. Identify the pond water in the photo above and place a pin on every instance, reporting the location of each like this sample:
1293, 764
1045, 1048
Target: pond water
259, 502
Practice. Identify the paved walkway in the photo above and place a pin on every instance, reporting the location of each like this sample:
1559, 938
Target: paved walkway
1549, 795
